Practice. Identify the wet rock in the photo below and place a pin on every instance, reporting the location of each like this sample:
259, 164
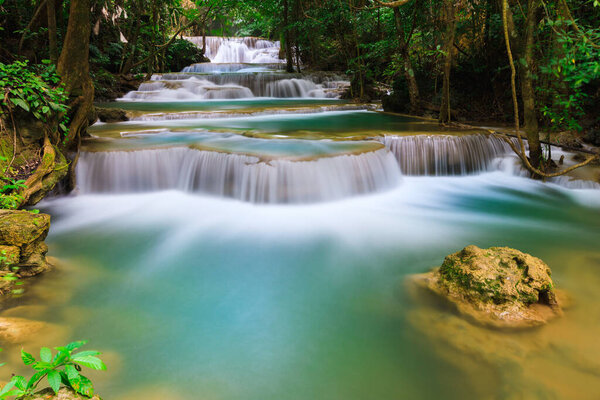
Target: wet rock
19, 228
569, 139
592, 136
499, 286
555, 361
63, 394
111, 114
29, 333
22, 235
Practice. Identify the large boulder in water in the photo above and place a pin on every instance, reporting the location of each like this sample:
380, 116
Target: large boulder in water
499, 286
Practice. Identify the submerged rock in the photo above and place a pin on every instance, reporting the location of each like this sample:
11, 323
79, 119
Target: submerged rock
499, 286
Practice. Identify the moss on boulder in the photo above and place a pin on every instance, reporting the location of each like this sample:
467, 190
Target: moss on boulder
9, 255
499, 286
22, 235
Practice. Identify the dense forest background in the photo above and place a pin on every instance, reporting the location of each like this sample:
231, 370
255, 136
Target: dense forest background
444, 58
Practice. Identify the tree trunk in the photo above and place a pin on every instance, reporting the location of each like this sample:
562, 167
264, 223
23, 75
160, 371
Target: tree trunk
409, 73
445, 114
73, 67
52, 36
527, 89
288, 43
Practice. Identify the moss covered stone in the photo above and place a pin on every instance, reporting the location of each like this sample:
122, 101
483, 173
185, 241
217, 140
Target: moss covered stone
19, 228
22, 235
498, 286
9, 255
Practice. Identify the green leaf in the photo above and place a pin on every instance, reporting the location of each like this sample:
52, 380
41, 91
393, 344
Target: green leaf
19, 381
75, 345
60, 357
33, 380
21, 103
90, 362
7, 387
87, 353
46, 354
83, 385
41, 365
54, 380
71, 372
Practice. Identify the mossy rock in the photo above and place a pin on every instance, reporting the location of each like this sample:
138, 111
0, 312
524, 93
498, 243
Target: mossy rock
19, 228
111, 114
63, 394
499, 286
9, 255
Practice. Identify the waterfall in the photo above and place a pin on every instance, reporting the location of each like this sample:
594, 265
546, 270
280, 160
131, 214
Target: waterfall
294, 88
239, 176
192, 89
445, 155
212, 68
240, 68
239, 50
168, 87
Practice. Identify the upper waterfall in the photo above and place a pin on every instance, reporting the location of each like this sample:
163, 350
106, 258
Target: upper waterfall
249, 50
240, 68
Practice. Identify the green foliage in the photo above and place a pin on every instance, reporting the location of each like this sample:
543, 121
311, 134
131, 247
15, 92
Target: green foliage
35, 90
182, 53
571, 65
60, 369
10, 198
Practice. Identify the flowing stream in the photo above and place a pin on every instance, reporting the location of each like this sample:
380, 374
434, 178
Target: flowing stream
246, 236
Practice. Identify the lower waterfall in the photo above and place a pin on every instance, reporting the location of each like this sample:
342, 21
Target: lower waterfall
238, 176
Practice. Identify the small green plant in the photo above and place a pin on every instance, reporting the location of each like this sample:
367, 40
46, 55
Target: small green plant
61, 369
10, 199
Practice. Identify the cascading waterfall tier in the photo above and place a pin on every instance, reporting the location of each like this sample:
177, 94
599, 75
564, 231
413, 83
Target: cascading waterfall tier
445, 155
238, 49
240, 68
239, 176
182, 86
212, 68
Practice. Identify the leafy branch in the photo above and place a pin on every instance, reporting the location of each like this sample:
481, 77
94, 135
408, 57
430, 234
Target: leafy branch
62, 368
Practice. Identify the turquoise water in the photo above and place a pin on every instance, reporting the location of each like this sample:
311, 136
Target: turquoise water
222, 299
341, 123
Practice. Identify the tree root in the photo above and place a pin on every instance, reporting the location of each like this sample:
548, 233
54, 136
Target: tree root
51, 170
